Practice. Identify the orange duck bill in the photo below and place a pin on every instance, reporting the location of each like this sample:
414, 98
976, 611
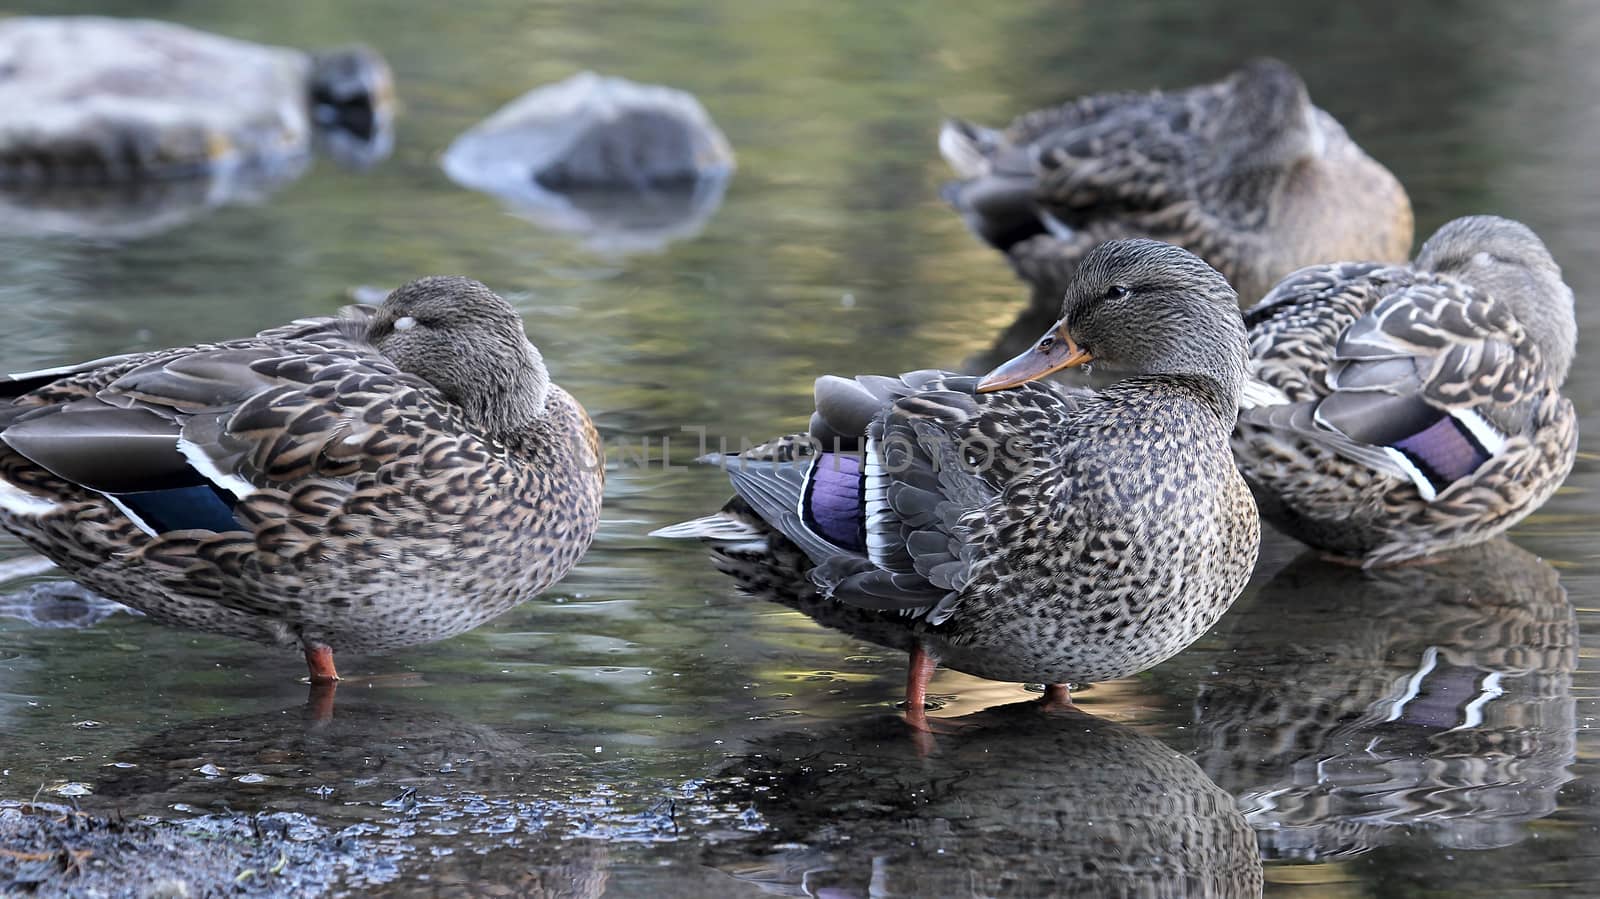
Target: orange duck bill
1051, 353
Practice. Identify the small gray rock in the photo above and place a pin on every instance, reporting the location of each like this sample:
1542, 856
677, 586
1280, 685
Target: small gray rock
629, 166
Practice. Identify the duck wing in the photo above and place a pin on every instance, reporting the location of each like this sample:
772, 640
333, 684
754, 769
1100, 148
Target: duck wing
71, 377
1420, 376
811, 486
226, 436
888, 513
1294, 330
1055, 170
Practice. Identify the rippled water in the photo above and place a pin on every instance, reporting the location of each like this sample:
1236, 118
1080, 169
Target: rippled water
642, 727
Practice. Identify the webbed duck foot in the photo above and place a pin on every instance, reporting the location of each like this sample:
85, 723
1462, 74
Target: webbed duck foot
925, 730
324, 679
918, 674
319, 661
921, 740
918, 721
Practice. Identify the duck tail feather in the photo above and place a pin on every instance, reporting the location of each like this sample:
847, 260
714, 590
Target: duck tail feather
1260, 393
966, 147
717, 527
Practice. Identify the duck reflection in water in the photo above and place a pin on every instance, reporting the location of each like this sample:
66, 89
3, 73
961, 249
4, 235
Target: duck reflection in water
1348, 709
1013, 803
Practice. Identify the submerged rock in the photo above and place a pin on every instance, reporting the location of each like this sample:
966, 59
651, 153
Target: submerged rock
628, 166
58, 605
135, 209
89, 104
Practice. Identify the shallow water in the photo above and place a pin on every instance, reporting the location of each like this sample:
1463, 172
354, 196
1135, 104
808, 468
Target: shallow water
643, 728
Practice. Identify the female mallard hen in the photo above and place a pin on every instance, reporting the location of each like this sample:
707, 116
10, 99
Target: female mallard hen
1400, 411
392, 476
1023, 531
1244, 172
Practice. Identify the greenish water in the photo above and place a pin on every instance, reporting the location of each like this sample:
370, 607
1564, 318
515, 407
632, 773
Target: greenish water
602, 735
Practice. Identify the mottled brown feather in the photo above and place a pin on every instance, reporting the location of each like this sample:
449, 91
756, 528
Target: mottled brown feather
1471, 351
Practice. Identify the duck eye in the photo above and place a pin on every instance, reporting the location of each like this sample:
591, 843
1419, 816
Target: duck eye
405, 323
1116, 292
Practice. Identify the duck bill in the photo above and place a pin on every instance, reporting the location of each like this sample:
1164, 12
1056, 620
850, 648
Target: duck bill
1053, 352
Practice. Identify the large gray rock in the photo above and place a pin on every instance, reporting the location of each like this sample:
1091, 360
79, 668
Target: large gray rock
89, 103
627, 166
98, 99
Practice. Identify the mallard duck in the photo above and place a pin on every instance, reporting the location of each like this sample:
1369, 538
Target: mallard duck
1245, 172
391, 476
1021, 531
1397, 411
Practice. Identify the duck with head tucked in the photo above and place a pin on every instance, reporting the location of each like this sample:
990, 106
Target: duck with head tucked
1398, 411
1017, 530
387, 477
1244, 172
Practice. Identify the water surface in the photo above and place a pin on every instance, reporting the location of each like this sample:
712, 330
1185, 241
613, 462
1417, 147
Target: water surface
642, 727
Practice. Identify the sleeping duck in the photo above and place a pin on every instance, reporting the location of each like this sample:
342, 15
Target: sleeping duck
1398, 411
387, 477
1244, 172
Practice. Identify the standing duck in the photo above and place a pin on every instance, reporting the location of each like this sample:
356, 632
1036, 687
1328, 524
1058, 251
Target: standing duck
388, 477
1022, 531
1245, 172
1398, 411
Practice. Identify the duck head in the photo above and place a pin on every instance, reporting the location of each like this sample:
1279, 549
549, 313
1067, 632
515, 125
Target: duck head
467, 341
1267, 120
1506, 261
1141, 307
